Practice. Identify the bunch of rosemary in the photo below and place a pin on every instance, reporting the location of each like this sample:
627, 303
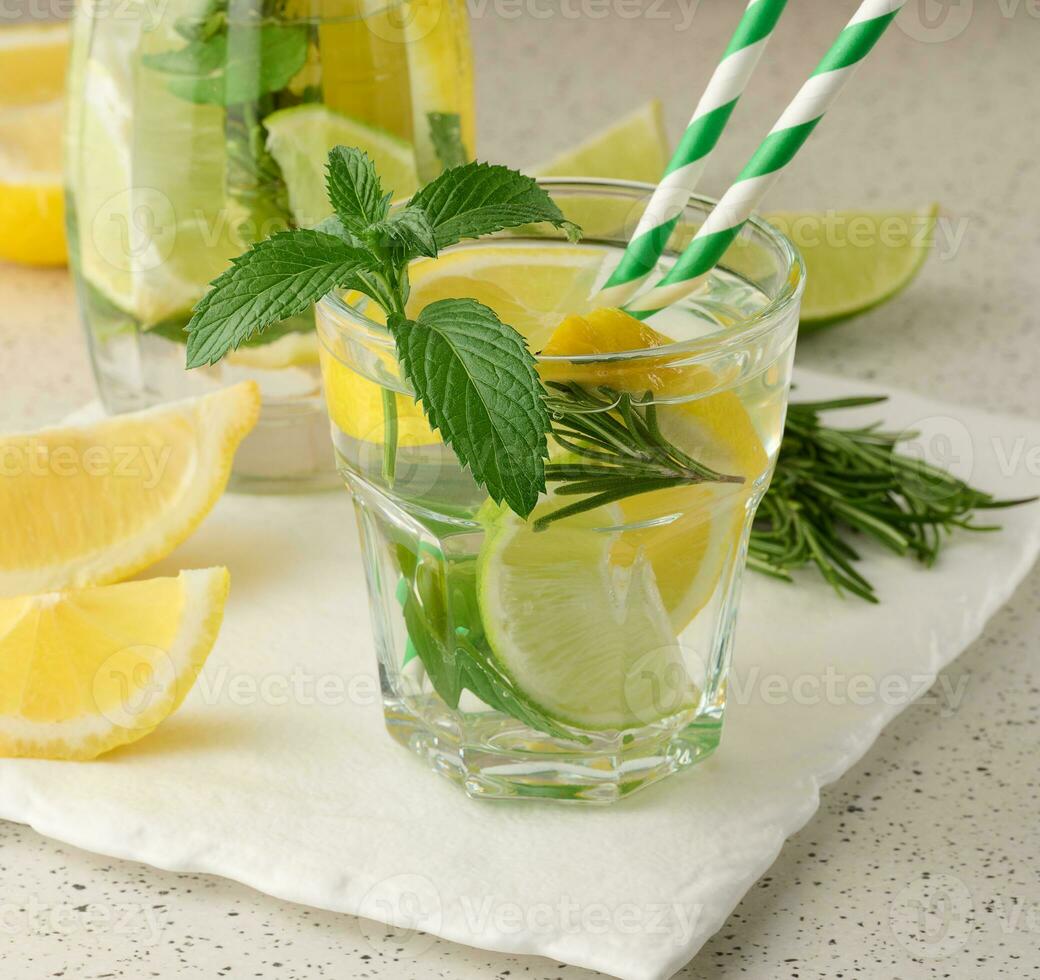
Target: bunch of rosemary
831, 484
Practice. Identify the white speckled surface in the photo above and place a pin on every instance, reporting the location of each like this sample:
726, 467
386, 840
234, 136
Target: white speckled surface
946, 791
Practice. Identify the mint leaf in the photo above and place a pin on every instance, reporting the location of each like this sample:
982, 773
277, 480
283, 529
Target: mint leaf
212, 71
446, 136
354, 190
333, 226
408, 230
480, 198
277, 278
476, 380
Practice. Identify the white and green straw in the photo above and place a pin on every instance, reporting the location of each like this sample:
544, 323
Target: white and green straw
799, 119
691, 155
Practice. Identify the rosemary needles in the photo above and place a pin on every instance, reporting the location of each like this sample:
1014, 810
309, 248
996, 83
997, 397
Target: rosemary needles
831, 483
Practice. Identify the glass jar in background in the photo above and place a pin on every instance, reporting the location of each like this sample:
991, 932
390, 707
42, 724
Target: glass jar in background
197, 127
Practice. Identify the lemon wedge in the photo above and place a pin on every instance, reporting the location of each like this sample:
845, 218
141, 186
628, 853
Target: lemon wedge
686, 533
85, 671
89, 505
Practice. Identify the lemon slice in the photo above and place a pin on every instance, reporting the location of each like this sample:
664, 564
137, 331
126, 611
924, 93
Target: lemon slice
85, 671
590, 643
94, 504
35, 55
686, 533
440, 72
153, 225
32, 210
856, 259
525, 285
300, 139
633, 148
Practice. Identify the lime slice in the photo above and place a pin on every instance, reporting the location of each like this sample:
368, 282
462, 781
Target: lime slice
588, 641
633, 148
856, 259
300, 139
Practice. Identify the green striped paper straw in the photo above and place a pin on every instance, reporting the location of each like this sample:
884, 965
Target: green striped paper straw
799, 119
691, 155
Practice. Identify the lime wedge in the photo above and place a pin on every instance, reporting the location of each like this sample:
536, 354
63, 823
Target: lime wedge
856, 259
588, 641
633, 148
300, 139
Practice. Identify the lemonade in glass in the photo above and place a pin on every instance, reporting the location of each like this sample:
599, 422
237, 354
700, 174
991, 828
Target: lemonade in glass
197, 127
582, 653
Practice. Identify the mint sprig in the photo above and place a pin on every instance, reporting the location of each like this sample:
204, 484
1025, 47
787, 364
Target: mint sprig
472, 373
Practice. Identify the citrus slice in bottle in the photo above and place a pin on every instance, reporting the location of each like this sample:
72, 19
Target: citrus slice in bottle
153, 224
300, 139
856, 260
440, 73
85, 671
588, 641
93, 504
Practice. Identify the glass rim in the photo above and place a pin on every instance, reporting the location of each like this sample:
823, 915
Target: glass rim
749, 330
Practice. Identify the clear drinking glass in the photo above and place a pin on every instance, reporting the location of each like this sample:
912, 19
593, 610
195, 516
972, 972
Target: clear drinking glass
588, 658
197, 127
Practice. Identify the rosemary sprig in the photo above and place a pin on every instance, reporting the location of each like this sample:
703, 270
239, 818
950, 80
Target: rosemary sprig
626, 451
831, 483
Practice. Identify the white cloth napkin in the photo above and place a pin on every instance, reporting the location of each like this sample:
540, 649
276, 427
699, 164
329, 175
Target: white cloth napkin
277, 772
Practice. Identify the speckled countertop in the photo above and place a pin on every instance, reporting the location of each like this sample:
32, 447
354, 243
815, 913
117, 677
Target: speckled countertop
946, 110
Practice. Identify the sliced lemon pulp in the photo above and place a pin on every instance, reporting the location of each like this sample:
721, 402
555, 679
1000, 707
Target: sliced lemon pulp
32, 209
94, 504
33, 58
154, 226
85, 671
687, 533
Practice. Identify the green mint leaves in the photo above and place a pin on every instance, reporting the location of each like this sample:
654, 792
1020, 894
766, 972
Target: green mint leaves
224, 68
354, 190
476, 380
481, 198
472, 373
277, 278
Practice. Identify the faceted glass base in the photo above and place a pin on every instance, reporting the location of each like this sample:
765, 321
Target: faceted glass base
495, 759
